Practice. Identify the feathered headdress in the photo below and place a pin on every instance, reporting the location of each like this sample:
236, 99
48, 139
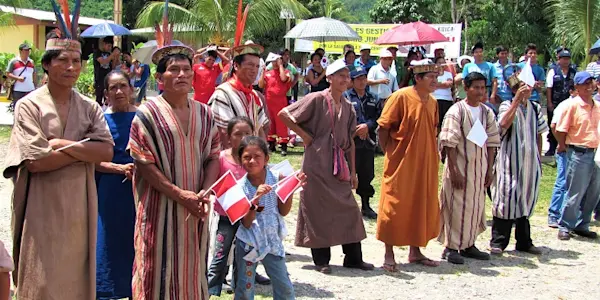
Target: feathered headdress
164, 39
248, 48
68, 27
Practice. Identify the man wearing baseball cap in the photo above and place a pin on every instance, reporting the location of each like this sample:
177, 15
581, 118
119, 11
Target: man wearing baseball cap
368, 110
577, 134
365, 60
22, 70
380, 78
328, 214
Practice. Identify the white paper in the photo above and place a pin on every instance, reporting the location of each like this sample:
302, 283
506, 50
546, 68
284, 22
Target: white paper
526, 74
477, 134
284, 168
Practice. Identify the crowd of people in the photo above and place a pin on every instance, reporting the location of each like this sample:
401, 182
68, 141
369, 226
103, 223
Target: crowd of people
130, 184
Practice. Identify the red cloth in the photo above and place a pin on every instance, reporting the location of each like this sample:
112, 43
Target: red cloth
204, 81
275, 93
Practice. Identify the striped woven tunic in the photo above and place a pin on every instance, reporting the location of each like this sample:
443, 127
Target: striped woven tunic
463, 211
170, 251
518, 168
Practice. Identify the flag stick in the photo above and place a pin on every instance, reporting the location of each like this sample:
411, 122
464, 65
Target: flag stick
73, 144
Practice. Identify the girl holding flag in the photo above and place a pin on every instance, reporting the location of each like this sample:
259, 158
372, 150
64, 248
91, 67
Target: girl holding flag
260, 238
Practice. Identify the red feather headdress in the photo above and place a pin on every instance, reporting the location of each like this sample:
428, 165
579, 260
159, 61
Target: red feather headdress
164, 39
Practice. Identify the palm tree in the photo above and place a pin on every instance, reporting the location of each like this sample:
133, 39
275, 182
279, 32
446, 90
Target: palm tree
575, 24
215, 20
6, 18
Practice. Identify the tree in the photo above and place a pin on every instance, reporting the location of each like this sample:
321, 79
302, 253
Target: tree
101, 9
215, 20
6, 19
401, 11
335, 9
574, 24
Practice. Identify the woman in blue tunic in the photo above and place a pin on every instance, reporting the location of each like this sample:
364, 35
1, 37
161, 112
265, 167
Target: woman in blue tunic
116, 210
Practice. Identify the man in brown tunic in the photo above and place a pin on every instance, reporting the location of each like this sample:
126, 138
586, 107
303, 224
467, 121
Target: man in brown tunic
328, 214
54, 198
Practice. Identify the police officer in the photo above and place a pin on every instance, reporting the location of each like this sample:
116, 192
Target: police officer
558, 83
368, 110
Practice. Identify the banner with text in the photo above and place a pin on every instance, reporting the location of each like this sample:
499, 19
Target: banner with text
370, 32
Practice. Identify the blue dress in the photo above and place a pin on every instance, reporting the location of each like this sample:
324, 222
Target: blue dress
116, 218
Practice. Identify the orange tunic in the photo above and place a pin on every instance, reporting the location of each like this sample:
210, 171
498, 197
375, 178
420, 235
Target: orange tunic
409, 208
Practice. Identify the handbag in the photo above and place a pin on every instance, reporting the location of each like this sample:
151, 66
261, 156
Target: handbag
9, 84
340, 165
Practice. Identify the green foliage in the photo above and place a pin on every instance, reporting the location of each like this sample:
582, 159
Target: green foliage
359, 9
574, 23
5, 58
401, 11
85, 83
101, 9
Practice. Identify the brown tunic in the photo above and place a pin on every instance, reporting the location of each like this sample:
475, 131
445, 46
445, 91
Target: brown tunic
328, 214
54, 213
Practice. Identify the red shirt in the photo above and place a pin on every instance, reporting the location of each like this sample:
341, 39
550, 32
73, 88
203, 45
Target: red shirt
274, 87
204, 81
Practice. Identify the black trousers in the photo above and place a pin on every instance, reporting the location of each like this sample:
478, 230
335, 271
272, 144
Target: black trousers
353, 255
99, 92
365, 171
501, 233
551, 139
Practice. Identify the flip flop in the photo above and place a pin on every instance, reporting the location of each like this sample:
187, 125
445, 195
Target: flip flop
425, 262
390, 267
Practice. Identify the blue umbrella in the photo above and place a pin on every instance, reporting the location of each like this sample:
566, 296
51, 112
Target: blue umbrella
105, 29
595, 48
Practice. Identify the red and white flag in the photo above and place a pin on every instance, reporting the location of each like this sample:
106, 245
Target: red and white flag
287, 186
231, 196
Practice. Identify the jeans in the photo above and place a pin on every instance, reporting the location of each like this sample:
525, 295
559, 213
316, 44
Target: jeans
283, 289
583, 183
218, 268
560, 187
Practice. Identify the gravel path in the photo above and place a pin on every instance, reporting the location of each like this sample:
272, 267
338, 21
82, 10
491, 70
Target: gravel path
566, 270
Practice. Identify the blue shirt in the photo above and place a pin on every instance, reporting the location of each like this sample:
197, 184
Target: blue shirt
144, 78
487, 69
504, 91
370, 63
368, 109
540, 75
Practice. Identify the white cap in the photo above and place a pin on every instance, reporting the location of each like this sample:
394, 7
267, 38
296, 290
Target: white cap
335, 66
248, 42
522, 58
272, 57
365, 47
385, 53
422, 62
461, 58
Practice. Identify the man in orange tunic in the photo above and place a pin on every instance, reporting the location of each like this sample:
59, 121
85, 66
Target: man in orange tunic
408, 208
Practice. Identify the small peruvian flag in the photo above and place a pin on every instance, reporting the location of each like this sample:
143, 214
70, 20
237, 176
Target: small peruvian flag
287, 186
231, 196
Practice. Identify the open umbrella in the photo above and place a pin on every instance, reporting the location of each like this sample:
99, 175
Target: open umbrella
415, 33
323, 30
595, 48
105, 29
144, 53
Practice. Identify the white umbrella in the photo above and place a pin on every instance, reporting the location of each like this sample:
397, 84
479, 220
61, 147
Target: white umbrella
144, 53
323, 30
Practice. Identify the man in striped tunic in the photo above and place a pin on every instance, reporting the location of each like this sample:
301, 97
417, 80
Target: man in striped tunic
468, 172
518, 171
236, 97
175, 146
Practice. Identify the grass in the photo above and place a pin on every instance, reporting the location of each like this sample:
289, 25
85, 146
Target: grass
5, 133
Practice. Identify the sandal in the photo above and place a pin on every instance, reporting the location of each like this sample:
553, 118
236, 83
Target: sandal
390, 267
325, 269
424, 261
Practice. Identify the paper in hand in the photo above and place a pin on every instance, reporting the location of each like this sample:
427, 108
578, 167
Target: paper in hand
477, 135
284, 168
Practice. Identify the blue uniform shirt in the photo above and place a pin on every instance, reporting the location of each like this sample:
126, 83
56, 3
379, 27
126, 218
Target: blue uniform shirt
368, 109
370, 63
504, 91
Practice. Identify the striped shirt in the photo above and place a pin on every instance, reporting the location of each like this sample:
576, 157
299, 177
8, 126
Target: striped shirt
594, 69
518, 168
227, 102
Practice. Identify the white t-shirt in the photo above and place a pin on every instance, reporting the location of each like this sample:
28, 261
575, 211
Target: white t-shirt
475, 111
23, 69
550, 78
443, 94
